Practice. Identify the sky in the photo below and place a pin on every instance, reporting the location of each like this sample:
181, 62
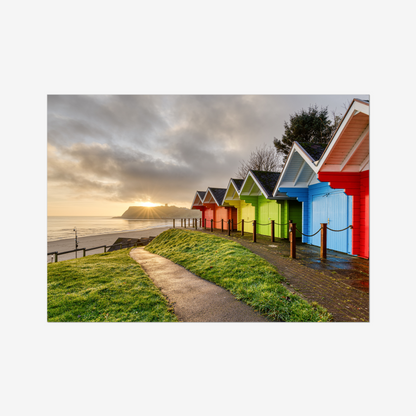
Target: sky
109, 152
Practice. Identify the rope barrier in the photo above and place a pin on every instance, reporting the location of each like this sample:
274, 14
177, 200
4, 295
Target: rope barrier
350, 226
306, 235
264, 224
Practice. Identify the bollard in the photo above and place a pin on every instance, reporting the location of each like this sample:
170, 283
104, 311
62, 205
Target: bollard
323, 240
254, 231
200, 222
229, 228
212, 221
272, 231
184, 222
196, 223
83, 252
222, 225
292, 239
174, 223
56, 256
232, 224
205, 223
189, 222
105, 249
242, 228
181, 222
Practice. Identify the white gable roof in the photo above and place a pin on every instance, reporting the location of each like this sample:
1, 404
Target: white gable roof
349, 149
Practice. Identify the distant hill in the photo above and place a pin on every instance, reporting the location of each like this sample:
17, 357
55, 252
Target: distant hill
134, 213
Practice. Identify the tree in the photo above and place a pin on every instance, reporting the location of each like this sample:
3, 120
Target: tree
311, 126
264, 158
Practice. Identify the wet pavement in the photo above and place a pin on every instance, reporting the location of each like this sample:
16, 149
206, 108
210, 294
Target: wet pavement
193, 298
340, 282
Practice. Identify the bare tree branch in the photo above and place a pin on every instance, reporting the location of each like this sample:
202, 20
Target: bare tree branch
264, 158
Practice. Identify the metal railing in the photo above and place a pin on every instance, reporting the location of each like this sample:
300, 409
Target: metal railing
120, 246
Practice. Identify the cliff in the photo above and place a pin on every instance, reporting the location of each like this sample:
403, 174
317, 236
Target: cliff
159, 213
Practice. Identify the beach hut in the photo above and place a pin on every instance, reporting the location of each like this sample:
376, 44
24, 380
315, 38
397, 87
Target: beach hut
345, 165
197, 203
214, 209
320, 202
232, 199
259, 203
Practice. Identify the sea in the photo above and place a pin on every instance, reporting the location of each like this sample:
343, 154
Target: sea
60, 228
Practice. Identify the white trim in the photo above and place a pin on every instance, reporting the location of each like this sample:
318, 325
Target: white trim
365, 162
304, 155
355, 105
197, 195
311, 178
364, 134
302, 166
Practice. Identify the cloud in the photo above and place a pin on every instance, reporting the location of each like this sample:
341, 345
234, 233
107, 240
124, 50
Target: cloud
162, 148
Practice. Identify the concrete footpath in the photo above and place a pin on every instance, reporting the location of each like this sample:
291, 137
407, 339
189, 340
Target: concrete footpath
193, 298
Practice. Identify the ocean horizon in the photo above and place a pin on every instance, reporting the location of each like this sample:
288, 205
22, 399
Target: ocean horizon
62, 227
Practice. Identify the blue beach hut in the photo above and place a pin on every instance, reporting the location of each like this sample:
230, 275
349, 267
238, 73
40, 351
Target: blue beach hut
320, 202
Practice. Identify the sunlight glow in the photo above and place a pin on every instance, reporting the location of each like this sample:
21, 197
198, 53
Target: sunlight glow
147, 204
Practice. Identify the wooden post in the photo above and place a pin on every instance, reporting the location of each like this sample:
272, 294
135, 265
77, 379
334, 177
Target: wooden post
56, 256
184, 222
323, 240
174, 223
254, 231
200, 222
189, 222
83, 252
232, 224
212, 221
205, 223
222, 225
292, 239
272, 233
196, 223
242, 228
229, 228
105, 249
121, 246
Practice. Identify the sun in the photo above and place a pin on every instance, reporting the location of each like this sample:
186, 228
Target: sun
147, 204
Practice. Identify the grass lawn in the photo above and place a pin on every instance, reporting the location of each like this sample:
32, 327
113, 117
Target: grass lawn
109, 287
247, 276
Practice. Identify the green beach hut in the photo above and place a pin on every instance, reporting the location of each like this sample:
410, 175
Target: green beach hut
257, 202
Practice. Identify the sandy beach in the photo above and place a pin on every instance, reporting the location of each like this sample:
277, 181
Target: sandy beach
96, 241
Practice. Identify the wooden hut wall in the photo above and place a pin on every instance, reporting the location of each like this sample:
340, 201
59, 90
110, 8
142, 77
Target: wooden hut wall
248, 207
236, 213
225, 214
209, 214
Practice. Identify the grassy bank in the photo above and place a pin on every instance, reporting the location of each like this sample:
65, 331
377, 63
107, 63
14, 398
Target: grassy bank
108, 287
247, 276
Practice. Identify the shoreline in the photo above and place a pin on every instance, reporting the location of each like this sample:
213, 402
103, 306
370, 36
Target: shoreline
97, 240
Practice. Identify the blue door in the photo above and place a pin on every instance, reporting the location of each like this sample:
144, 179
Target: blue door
319, 215
332, 208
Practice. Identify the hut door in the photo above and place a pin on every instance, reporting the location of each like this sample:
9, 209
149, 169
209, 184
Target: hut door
331, 208
338, 218
319, 215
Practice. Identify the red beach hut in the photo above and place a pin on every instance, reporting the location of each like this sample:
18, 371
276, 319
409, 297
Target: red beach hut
214, 209
345, 164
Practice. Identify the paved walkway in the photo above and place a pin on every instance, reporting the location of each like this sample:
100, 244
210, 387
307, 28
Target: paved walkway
340, 283
193, 298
